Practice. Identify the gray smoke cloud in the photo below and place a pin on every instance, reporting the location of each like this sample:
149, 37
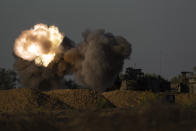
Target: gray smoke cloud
95, 62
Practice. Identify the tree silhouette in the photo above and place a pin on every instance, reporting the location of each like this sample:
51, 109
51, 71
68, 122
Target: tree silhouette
194, 69
8, 79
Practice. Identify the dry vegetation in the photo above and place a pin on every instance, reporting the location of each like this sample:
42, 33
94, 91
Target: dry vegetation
129, 99
186, 100
28, 100
85, 110
80, 98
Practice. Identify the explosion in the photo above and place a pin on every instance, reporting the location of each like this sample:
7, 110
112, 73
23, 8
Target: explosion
95, 62
39, 44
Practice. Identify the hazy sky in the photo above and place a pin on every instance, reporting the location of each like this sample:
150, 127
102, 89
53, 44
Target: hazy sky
162, 32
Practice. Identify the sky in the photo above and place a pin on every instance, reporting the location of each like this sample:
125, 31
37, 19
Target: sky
162, 32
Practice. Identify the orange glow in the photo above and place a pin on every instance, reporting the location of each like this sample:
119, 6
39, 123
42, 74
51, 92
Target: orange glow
39, 44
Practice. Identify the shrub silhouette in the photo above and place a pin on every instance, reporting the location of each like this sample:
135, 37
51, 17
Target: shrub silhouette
8, 79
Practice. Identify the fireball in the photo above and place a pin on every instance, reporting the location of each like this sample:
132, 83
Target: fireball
39, 44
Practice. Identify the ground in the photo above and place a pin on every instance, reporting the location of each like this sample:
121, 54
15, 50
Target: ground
85, 110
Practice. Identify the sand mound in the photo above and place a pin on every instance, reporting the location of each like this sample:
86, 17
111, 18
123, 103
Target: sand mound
186, 100
80, 98
127, 99
25, 99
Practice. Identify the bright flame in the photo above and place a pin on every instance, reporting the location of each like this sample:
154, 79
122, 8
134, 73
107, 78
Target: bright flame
39, 44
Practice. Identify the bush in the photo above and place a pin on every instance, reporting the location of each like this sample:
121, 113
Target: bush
8, 79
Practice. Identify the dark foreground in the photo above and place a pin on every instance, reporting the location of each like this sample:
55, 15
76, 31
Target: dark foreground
157, 118
84, 110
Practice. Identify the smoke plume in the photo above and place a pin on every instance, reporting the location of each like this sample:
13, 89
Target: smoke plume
95, 62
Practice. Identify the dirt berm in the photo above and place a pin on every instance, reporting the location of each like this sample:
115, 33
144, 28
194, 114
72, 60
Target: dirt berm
81, 98
27, 100
129, 99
